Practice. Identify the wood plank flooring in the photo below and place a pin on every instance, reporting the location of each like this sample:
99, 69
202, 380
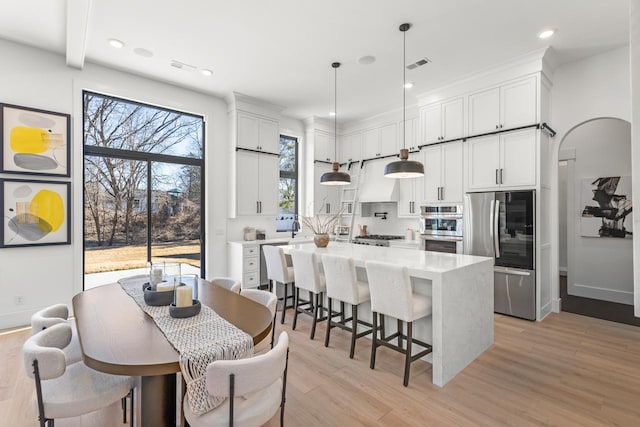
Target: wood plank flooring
568, 370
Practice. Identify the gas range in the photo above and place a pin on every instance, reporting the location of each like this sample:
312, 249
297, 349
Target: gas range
375, 239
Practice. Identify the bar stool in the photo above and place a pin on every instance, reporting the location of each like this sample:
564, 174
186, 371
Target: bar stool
279, 272
391, 295
308, 277
344, 286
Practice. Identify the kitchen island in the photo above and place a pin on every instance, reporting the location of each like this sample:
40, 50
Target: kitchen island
461, 289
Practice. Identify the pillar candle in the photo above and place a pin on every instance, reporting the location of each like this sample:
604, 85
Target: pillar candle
164, 287
156, 276
184, 296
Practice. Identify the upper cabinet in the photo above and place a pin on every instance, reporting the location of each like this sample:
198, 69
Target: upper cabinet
350, 147
443, 173
503, 160
411, 192
257, 183
380, 141
442, 121
257, 133
411, 134
323, 146
505, 107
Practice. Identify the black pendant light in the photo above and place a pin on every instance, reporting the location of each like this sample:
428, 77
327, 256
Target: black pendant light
404, 168
335, 177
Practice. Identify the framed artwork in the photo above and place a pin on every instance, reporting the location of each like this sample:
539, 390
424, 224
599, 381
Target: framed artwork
606, 207
35, 213
34, 141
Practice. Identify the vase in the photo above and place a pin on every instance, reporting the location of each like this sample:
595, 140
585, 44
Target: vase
321, 240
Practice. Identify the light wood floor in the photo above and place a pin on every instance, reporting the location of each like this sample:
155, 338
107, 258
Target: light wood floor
568, 370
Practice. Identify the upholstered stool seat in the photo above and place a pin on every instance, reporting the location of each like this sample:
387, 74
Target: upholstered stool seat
279, 272
307, 270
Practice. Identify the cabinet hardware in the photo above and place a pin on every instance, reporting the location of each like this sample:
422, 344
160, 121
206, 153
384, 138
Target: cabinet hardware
501, 182
257, 207
441, 193
497, 126
497, 181
500, 126
260, 207
328, 207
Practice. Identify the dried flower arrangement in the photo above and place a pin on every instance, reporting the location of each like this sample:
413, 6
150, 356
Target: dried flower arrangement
321, 224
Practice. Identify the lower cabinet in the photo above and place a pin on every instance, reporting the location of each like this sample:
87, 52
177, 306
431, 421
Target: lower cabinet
244, 263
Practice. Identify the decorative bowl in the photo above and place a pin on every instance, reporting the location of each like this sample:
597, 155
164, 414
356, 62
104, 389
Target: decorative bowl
155, 298
183, 312
321, 240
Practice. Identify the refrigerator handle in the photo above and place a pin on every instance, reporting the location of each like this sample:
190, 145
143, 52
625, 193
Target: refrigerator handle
492, 212
496, 229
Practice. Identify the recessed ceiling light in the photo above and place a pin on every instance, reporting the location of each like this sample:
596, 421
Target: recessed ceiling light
206, 72
332, 113
366, 60
408, 85
546, 34
116, 43
143, 52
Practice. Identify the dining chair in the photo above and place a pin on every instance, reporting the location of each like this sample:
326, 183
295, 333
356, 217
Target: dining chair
229, 283
254, 389
392, 295
306, 267
52, 315
266, 298
204, 288
279, 272
69, 390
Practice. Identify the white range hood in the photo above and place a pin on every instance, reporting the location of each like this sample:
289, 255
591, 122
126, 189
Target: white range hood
374, 187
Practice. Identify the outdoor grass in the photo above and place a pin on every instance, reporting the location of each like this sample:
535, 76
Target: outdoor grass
102, 259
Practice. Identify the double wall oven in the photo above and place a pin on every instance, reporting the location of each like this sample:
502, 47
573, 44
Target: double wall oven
441, 228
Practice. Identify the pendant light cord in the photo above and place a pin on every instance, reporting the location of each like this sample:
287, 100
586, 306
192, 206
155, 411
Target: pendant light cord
335, 114
404, 89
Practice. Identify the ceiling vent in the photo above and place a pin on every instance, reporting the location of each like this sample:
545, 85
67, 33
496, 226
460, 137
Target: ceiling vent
182, 66
419, 63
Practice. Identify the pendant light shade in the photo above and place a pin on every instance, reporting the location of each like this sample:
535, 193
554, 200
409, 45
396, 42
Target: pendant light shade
335, 177
404, 168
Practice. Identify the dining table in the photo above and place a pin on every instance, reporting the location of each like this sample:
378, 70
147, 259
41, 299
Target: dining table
118, 337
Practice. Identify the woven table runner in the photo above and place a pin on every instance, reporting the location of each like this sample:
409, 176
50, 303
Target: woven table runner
200, 340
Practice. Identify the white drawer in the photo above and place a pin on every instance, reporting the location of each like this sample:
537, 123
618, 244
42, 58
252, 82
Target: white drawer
251, 280
251, 251
250, 264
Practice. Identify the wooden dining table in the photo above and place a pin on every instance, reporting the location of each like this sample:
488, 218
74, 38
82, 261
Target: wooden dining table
117, 337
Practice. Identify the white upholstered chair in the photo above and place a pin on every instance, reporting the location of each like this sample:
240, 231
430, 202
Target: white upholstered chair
68, 390
266, 298
279, 272
228, 283
343, 285
52, 315
306, 266
392, 295
254, 389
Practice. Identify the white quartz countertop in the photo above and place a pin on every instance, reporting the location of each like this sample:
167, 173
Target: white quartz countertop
423, 264
301, 239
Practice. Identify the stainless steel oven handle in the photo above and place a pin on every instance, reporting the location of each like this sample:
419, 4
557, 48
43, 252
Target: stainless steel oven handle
496, 229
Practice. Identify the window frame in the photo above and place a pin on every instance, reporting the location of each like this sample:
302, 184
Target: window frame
291, 174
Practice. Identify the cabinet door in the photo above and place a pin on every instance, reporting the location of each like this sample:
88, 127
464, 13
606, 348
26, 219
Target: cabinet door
484, 111
453, 119
411, 192
247, 183
432, 173
319, 190
269, 136
323, 147
411, 134
355, 148
268, 184
518, 158
452, 188
431, 121
371, 144
389, 139
518, 104
483, 162
248, 133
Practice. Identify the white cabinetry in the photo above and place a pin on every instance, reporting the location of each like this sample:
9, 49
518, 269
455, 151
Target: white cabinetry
323, 146
257, 177
257, 133
411, 192
443, 173
244, 263
442, 121
505, 107
411, 134
380, 141
504, 160
350, 147
326, 198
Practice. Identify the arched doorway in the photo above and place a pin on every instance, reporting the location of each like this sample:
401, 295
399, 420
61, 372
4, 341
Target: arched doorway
595, 224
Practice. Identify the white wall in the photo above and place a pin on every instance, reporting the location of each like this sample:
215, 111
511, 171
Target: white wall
38, 79
562, 219
600, 268
634, 25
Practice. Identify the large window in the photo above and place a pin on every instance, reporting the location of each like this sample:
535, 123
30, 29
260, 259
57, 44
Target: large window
143, 187
288, 194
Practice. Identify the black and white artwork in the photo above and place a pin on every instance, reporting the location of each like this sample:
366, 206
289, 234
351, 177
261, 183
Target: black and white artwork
607, 207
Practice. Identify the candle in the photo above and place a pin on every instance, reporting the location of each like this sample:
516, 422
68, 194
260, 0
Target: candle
156, 276
184, 296
164, 287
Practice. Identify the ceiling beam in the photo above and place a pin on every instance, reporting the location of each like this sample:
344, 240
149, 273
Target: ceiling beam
77, 25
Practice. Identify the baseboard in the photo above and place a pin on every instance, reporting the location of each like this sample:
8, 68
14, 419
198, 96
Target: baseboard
16, 319
556, 305
580, 290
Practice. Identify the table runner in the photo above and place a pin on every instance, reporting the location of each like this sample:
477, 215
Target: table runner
199, 340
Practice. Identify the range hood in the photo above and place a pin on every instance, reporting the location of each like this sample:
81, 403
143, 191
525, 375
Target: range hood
374, 187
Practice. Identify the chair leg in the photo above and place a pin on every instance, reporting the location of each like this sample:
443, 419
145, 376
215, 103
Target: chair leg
273, 328
123, 404
374, 336
296, 302
284, 303
342, 311
328, 332
354, 329
399, 326
383, 334
133, 405
270, 285
407, 360
315, 313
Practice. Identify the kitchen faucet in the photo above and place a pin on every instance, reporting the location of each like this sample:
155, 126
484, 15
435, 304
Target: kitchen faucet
295, 227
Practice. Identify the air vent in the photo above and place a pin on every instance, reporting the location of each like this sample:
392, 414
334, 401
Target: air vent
182, 66
419, 63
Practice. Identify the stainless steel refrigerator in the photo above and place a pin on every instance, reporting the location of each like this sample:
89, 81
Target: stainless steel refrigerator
502, 225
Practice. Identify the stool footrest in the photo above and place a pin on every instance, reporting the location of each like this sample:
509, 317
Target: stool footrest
386, 343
